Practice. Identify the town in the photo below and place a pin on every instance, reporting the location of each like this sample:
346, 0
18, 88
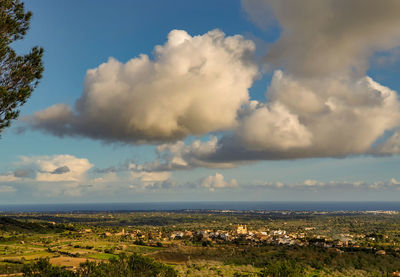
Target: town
241, 232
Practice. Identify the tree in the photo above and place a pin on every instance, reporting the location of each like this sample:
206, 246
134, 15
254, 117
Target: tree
43, 268
122, 266
134, 265
19, 75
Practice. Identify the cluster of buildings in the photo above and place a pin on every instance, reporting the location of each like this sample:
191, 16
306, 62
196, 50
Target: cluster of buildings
278, 237
242, 233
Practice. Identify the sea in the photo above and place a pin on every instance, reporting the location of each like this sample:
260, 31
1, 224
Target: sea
222, 206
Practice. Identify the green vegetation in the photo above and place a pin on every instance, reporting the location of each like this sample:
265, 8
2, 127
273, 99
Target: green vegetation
201, 243
123, 265
283, 269
19, 75
8, 224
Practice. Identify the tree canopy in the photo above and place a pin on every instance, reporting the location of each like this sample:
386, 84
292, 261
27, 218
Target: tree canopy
19, 74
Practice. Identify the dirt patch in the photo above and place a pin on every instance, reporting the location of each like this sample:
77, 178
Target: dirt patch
68, 261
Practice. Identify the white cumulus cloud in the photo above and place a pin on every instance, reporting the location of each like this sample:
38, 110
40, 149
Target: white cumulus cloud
57, 168
194, 85
217, 181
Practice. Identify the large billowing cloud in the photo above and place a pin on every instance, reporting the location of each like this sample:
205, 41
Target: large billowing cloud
320, 102
194, 85
328, 37
302, 119
273, 127
333, 117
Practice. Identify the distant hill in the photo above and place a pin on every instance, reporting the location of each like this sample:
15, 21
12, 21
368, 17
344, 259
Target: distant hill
9, 224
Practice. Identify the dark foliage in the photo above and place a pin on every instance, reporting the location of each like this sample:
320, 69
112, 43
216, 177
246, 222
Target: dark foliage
123, 266
19, 75
12, 225
283, 269
43, 268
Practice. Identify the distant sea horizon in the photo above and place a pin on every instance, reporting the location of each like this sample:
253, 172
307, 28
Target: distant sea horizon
320, 206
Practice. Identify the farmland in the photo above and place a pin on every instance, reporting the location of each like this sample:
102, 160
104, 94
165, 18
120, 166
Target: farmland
207, 243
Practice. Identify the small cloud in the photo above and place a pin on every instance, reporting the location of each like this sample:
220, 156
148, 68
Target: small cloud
279, 185
358, 184
61, 170
56, 168
166, 185
313, 183
377, 185
24, 173
394, 182
218, 182
7, 189
4, 178
310, 182
110, 169
145, 176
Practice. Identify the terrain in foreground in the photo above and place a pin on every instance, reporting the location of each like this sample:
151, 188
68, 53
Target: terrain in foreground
201, 243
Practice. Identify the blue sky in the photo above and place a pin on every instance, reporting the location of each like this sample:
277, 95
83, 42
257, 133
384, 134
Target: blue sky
282, 146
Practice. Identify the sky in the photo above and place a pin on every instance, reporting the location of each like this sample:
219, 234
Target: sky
253, 100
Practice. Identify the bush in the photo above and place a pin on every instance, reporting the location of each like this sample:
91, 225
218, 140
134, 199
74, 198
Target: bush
283, 269
134, 265
43, 268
